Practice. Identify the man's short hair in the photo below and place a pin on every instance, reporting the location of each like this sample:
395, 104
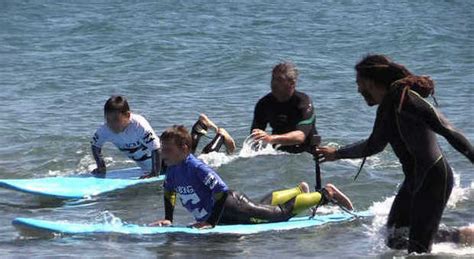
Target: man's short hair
285, 70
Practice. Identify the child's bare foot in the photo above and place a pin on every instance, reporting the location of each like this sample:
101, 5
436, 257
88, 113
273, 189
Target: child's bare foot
206, 121
339, 197
228, 141
466, 235
304, 187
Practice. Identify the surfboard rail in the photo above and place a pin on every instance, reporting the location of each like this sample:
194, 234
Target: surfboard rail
68, 228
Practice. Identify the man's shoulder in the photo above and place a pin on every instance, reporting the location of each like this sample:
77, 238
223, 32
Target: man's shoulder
302, 96
302, 100
266, 99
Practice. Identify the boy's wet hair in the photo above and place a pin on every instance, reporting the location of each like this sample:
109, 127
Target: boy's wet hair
179, 134
116, 103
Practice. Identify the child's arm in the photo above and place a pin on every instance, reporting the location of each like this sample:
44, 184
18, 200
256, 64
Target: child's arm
97, 142
156, 162
152, 142
170, 200
219, 198
99, 160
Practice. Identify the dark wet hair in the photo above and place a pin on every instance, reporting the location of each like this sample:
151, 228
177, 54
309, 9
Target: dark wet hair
116, 103
285, 70
381, 70
179, 134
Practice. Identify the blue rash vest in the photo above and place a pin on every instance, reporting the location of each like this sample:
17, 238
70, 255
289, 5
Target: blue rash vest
195, 183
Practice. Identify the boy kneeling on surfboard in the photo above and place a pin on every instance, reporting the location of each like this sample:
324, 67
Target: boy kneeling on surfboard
203, 193
130, 133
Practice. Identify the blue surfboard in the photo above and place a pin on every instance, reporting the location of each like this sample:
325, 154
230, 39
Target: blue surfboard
78, 187
46, 226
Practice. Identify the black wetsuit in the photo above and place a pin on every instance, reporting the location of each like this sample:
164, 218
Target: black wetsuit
239, 209
420, 202
213, 146
295, 114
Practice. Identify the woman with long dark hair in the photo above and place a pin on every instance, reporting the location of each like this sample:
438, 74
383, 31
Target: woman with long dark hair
407, 122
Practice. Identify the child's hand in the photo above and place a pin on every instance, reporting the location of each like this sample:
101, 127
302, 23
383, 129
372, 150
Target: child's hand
147, 175
201, 225
160, 223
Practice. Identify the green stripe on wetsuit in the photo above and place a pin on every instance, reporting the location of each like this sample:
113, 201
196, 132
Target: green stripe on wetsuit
307, 121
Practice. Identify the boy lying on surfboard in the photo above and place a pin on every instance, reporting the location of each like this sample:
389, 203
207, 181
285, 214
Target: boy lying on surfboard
130, 133
203, 193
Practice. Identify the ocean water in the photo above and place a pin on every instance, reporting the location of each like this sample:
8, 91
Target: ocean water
61, 60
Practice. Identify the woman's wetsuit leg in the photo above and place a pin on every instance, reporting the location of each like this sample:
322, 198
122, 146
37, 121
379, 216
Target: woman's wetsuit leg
398, 222
428, 205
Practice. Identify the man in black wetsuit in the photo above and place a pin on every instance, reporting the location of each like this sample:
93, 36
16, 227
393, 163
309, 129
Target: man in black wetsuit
410, 124
290, 113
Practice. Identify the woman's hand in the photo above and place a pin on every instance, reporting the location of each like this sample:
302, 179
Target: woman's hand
326, 154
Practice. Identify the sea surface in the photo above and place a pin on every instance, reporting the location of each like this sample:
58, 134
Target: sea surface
61, 60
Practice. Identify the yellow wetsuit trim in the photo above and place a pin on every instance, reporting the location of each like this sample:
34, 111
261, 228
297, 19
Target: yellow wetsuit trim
283, 196
171, 197
305, 201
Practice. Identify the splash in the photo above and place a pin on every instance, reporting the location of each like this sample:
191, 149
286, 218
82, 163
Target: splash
109, 218
458, 193
250, 148
376, 230
87, 163
217, 159
451, 249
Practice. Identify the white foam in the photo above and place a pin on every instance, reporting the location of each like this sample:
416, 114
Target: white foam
55, 173
380, 210
87, 163
376, 230
451, 249
252, 148
458, 193
217, 159
109, 218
